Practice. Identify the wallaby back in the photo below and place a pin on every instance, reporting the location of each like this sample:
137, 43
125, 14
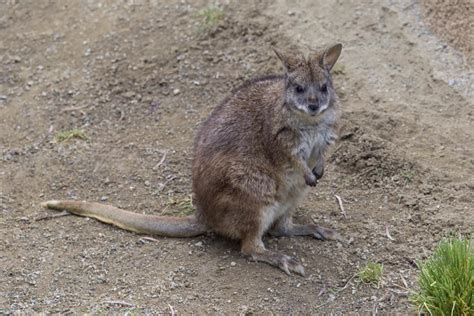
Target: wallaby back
167, 226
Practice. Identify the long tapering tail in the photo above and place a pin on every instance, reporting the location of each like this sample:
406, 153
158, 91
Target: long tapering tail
168, 226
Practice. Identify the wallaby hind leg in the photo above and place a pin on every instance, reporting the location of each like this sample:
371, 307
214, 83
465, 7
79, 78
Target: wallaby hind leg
285, 227
253, 246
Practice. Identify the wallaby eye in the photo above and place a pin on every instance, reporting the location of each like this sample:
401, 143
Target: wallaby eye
299, 89
324, 88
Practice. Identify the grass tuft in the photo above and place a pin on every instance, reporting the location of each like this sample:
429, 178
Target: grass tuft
67, 135
446, 279
339, 69
371, 273
210, 16
180, 207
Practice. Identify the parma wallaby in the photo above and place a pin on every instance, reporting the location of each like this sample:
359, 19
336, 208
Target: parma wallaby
254, 158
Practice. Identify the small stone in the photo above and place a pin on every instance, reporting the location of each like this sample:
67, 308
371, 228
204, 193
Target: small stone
198, 244
104, 198
147, 183
129, 94
233, 264
176, 91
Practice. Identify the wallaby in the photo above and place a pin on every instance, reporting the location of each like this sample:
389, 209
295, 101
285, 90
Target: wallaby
254, 158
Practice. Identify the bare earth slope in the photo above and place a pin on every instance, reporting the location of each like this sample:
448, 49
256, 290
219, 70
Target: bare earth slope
139, 76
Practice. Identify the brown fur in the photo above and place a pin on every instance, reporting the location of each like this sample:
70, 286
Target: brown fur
254, 158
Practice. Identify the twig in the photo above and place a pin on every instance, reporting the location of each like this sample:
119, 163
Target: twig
119, 303
74, 108
51, 216
122, 115
375, 308
341, 207
333, 297
161, 161
345, 285
387, 233
149, 239
365, 171
172, 311
404, 282
405, 293
323, 290
166, 182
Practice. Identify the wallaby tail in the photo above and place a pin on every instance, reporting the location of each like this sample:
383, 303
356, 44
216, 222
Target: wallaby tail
167, 226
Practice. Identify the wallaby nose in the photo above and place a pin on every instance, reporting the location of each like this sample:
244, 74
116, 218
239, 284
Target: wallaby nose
313, 107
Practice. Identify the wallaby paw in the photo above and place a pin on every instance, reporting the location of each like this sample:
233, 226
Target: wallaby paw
289, 264
323, 233
310, 179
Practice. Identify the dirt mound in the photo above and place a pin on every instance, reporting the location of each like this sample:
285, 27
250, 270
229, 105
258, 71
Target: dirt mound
454, 22
374, 161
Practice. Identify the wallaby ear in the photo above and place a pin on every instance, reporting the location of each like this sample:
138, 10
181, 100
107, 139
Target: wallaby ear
330, 56
290, 61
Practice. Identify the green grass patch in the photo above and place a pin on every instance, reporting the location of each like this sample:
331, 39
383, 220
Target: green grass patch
371, 273
339, 69
67, 135
407, 176
446, 279
179, 206
210, 16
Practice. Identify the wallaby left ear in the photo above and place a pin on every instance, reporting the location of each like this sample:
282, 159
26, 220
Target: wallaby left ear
330, 56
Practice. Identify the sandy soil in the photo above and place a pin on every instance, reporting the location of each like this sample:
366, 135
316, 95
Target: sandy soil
139, 76
454, 22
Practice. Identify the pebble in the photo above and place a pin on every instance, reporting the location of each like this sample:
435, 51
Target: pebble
198, 244
233, 264
176, 91
104, 198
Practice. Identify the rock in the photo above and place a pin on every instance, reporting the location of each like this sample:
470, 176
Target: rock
176, 91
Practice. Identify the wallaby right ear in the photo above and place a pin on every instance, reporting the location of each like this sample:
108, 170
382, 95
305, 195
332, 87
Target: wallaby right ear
290, 61
331, 55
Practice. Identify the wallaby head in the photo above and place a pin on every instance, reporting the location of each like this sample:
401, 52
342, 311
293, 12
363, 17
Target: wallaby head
308, 82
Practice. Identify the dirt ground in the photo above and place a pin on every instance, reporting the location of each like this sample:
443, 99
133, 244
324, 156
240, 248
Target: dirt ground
139, 76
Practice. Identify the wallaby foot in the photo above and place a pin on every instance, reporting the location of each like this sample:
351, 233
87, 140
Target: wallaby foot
286, 227
256, 250
310, 179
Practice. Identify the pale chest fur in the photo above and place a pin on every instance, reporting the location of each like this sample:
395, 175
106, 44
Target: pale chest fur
312, 143
315, 142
